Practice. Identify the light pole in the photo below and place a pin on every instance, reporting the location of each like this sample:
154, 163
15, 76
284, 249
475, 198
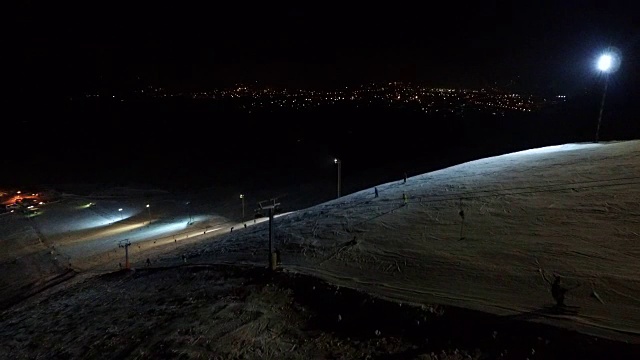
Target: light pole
607, 64
120, 211
242, 198
125, 244
149, 211
189, 209
273, 256
339, 163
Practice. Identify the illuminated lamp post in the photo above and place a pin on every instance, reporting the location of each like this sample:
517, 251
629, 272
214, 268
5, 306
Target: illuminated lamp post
339, 163
607, 63
189, 209
242, 198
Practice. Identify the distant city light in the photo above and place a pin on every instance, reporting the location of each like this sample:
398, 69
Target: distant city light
429, 100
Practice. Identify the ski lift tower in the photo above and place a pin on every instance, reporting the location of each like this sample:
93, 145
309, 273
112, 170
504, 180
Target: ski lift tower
271, 206
125, 244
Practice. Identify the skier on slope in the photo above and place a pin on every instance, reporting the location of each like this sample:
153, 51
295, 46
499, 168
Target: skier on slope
558, 289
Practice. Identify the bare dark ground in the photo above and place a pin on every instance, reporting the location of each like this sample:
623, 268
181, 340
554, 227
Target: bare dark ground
229, 312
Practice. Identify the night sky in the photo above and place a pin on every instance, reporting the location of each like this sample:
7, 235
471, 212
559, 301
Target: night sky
58, 52
542, 45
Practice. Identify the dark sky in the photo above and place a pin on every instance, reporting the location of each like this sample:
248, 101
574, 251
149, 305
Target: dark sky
542, 45
54, 52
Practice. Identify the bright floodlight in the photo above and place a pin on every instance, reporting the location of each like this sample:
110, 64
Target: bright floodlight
147, 205
605, 62
336, 161
120, 209
609, 61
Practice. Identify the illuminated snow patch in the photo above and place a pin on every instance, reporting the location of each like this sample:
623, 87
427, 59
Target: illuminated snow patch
553, 149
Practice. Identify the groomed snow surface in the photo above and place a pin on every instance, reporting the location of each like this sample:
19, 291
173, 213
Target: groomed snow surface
572, 210
479, 235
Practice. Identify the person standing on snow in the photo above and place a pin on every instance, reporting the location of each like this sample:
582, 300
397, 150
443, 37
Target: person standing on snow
558, 290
